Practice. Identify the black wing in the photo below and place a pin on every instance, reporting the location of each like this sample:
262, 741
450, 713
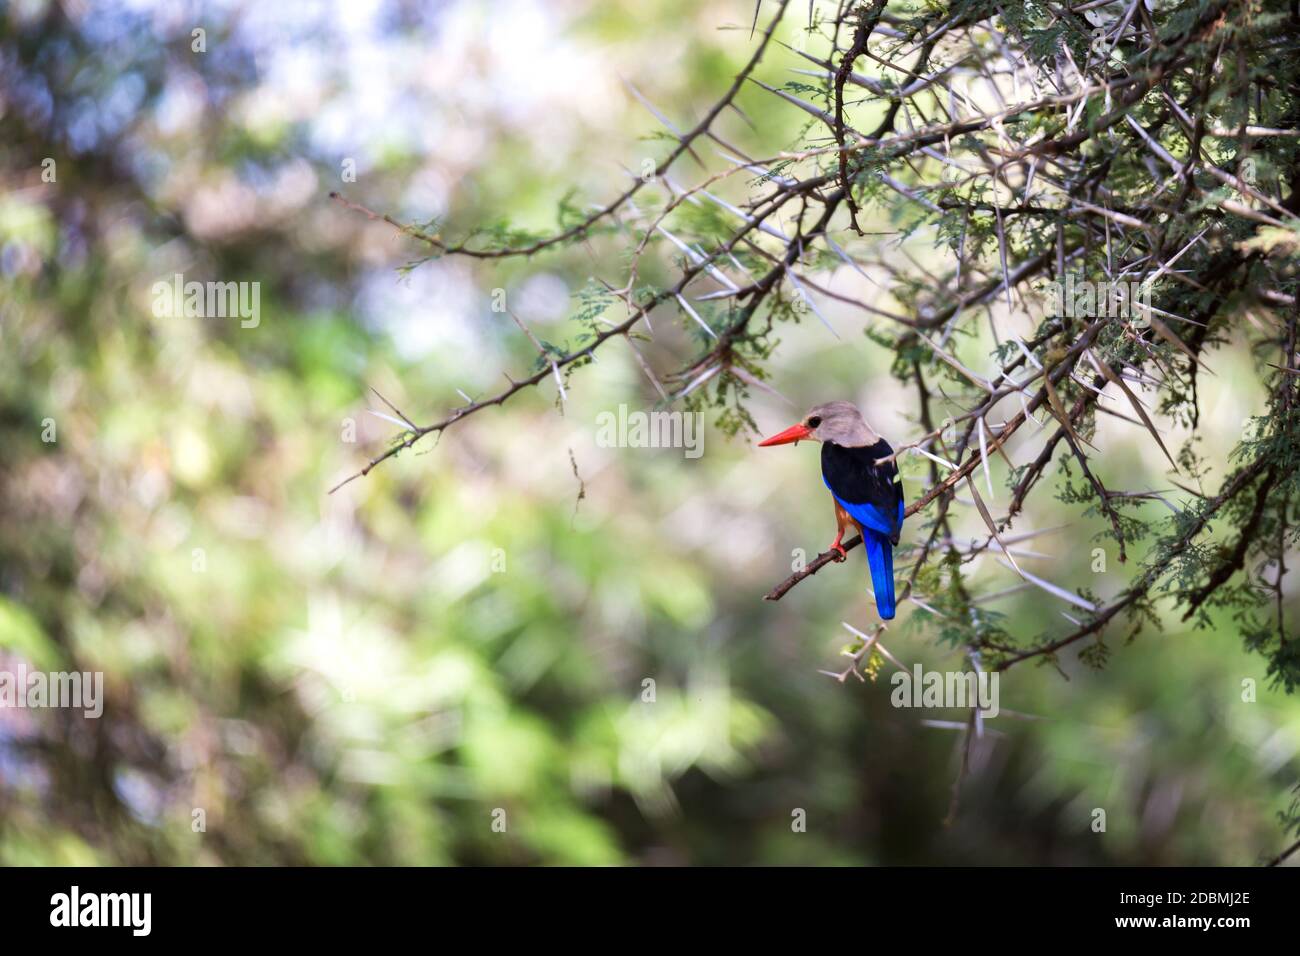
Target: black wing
854, 477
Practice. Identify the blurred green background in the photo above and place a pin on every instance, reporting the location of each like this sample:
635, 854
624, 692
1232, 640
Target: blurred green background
378, 675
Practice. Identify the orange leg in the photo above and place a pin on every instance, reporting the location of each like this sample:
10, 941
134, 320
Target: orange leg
842, 519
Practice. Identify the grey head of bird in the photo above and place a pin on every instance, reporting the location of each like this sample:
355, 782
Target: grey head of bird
839, 423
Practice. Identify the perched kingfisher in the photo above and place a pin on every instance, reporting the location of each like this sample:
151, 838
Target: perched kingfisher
866, 490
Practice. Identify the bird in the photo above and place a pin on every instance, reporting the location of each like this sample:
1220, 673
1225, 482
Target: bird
858, 468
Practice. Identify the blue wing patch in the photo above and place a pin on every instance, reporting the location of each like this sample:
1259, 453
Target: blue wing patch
877, 530
869, 516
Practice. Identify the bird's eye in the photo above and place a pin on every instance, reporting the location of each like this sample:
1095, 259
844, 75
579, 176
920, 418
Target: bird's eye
814, 422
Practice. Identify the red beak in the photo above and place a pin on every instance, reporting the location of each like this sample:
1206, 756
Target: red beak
793, 433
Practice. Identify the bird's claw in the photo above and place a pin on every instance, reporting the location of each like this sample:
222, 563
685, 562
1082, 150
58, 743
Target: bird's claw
837, 549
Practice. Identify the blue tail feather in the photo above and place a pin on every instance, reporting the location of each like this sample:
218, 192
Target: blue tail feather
880, 557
